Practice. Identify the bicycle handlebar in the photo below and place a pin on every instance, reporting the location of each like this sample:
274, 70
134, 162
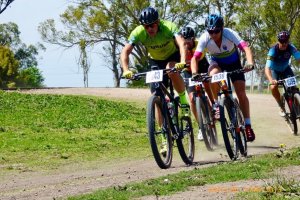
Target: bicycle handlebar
138, 76
206, 77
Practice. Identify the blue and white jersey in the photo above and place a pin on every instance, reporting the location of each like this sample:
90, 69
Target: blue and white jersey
279, 60
227, 53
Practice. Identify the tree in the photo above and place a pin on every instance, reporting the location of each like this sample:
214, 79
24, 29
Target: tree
24, 58
109, 24
4, 4
8, 67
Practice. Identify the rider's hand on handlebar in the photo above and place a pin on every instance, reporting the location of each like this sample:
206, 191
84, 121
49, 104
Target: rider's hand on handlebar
273, 82
180, 66
128, 74
248, 67
195, 76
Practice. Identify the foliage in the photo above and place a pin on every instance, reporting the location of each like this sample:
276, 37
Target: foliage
20, 64
8, 66
31, 76
109, 24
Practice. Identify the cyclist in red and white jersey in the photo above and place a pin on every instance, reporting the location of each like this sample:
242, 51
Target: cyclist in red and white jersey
190, 44
222, 44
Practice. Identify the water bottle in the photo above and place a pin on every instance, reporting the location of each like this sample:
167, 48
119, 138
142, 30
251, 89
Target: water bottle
171, 110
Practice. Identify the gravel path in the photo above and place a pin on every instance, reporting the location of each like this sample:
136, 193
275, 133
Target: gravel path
270, 129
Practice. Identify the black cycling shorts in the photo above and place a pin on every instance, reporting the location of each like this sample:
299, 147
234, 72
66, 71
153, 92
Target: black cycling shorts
231, 67
161, 64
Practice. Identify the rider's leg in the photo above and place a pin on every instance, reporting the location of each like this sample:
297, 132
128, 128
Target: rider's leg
214, 69
276, 94
240, 89
178, 84
209, 93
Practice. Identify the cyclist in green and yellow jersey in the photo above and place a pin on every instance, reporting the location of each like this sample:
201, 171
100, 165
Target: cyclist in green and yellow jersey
165, 48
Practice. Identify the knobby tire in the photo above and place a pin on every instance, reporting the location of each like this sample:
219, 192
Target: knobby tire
227, 117
155, 132
203, 119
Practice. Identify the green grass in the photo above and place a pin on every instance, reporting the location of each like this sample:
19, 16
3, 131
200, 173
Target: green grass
47, 131
257, 167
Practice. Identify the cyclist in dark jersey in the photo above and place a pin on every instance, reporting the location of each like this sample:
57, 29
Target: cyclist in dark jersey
161, 38
190, 43
278, 64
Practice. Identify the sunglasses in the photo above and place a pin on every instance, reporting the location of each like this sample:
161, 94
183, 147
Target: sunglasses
150, 25
283, 41
214, 31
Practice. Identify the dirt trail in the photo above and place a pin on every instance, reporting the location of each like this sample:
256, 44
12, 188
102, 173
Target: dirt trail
270, 129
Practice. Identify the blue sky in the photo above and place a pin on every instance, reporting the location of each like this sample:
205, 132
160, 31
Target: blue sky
59, 66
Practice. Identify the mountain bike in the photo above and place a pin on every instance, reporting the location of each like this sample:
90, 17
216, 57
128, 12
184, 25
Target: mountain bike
231, 116
165, 124
290, 102
205, 117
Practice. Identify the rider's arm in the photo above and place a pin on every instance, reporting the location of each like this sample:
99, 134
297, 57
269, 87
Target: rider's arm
194, 64
180, 42
269, 64
249, 56
199, 52
295, 52
125, 56
268, 74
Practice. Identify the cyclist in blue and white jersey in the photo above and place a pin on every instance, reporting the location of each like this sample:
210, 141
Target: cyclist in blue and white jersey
222, 44
278, 63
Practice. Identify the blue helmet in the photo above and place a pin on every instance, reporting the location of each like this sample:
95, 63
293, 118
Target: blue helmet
214, 21
148, 16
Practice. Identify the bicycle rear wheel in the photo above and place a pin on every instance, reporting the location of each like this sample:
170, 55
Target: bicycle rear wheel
290, 115
159, 132
241, 137
227, 118
185, 141
203, 123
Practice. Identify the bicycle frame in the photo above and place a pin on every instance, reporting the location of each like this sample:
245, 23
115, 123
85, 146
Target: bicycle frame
162, 92
235, 121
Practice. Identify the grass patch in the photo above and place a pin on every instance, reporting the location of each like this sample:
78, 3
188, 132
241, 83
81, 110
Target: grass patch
257, 167
46, 131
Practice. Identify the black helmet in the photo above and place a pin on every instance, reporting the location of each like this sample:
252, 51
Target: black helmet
188, 32
148, 16
283, 36
214, 21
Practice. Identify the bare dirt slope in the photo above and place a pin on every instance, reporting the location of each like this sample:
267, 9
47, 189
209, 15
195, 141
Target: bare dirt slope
270, 129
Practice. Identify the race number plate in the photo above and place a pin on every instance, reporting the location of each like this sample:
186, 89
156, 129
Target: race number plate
219, 77
290, 82
154, 76
193, 83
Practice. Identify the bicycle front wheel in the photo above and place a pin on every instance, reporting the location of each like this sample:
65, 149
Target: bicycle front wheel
227, 118
159, 133
203, 123
241, 137
296, 106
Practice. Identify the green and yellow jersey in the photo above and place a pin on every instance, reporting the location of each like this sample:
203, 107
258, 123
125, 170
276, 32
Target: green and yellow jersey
162, 45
